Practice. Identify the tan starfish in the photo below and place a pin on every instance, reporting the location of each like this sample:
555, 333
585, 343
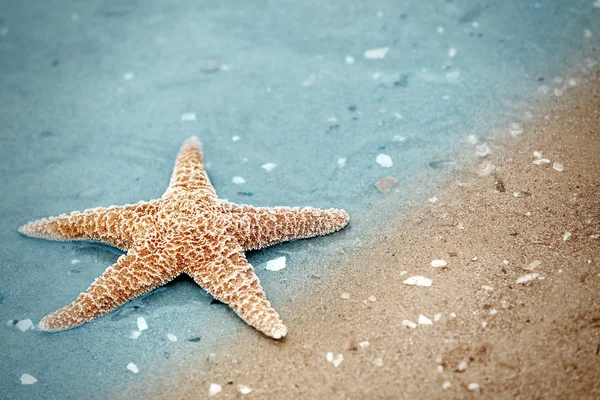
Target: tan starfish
188, 230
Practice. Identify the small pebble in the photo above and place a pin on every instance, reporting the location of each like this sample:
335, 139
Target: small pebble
377, 54
505, 262
349, 60
437, 317
418, 281
439, 263
483, 324
528, 277
27, 379
473, 387
133, 368
276, 264
341, 162
446, 385
364, 344
567, 236
141, 324
243, 389
558, 167
487, 288
493, 311
75, 261
398, 138
384, 185
235, 138
409, 324
423, 320
238, 180
384, 160
345, 295
452, 52
171, 337
452, 315
432, 200
338, 360
214, 389
269, 167
537, 154
541, 161
372, 299
587, 33
462, 366
532, 265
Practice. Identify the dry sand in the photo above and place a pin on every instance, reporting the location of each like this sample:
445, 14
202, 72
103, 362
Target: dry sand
539, 339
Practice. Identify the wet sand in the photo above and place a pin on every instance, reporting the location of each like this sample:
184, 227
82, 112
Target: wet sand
490, 336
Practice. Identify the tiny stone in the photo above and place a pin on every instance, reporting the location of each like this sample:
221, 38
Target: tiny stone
133, 368
437, 317
558, 167
505, 262
345, 295
27, 379
276, 264
384, 160
423, 320
338, 360
409, 324
587, 33
377, 54
418, 281
378, 362
398, 138
452, 315
452, 52
487, 288
243, 389
349, 60
141, 324
567, 236
214, 389
269, 167
238, 180
462, 366
446, 385
541, 161
235, 138
432, 200
171, 337
440, 29
364, 344
329, 356
473, 386
440, 369
384, 185
537, 154
439, 263
341, 162
372, 299
75, 261
493, 311
402, 273
483, 324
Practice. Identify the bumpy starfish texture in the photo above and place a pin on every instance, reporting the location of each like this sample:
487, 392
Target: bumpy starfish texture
188, 230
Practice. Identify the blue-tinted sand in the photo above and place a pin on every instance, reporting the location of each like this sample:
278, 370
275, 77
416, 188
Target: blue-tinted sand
92, 96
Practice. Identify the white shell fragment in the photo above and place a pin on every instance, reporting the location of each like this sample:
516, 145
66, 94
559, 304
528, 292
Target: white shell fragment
329, 357
423, 320
418, 281
439, 263
238, 180
24, 325
452, 52
243, 389
537, 154
487, 288
171, 337
27, 379
276, 264
190, 116
133, 368
364, 344
558, 167
141, 324
341, 162
528, 277
409, 324
338, 360
446, 385
567, 236
214, 389
345, 295
462, 366
542, 161
384, 160
377, 54
269, 166
235, 138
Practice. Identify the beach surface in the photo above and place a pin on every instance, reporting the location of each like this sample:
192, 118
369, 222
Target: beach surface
512, 312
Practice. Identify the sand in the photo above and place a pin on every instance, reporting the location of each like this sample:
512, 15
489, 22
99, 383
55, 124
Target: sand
490, 337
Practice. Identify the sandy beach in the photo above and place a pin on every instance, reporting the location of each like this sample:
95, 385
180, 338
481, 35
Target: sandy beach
512, 312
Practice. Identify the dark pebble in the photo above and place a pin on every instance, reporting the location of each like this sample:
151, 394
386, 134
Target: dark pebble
500, 185
352, 108
194, 340
74, 271
46, 134
248, 194
55, 63
1, 299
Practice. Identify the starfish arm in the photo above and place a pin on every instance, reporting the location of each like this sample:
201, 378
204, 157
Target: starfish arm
230, 279
139, 271
189, 174
259, 227
115, 226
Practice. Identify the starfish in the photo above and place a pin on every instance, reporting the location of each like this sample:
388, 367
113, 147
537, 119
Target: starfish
188, 230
